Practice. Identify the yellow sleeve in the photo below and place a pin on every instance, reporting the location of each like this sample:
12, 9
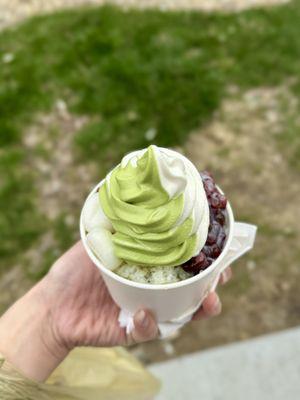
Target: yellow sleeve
86, 374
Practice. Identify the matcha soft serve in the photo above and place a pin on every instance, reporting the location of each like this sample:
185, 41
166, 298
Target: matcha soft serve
150, 211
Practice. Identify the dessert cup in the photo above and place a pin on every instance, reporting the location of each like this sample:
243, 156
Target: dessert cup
174, 301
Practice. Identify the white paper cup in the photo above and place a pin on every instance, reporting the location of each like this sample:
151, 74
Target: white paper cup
173, 301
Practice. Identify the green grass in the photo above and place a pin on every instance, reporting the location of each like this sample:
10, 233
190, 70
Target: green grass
20, 224
169, 70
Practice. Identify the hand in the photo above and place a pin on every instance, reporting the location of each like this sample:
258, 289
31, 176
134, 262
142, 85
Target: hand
72, 307
83, 312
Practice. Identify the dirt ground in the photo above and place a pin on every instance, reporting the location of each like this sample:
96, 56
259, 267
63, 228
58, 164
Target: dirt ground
242, 147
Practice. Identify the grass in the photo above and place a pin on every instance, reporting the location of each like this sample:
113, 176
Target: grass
20, 225
130, 72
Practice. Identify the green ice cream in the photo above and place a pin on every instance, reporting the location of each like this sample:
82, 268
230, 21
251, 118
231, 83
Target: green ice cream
144, 217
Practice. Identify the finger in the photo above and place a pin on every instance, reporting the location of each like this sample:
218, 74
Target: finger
210, 307
145, 326
225, 276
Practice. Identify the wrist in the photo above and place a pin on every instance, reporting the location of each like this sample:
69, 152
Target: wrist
27, 337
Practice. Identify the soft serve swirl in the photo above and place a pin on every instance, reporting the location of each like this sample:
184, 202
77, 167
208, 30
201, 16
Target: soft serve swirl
157, 206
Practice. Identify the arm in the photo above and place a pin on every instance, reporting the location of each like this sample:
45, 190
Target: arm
26, 337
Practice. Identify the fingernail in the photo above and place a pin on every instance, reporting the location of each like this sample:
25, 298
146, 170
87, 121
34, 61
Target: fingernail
217, 307
142, 319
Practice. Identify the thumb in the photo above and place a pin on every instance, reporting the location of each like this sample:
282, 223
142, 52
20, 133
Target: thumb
145, 326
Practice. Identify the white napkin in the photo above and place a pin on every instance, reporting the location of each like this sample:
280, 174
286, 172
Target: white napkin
166, 329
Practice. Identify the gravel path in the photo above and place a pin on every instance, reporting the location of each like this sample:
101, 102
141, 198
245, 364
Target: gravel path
12, 11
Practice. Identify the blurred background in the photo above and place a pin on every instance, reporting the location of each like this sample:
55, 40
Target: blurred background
84, 83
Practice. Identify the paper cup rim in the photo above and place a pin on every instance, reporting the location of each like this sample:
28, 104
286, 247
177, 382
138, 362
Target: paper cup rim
161, 286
